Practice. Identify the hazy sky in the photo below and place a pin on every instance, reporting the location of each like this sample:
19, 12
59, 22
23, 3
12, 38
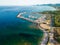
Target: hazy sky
27, 2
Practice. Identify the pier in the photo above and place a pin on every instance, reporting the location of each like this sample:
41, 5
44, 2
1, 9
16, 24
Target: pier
27, 19
19, 16
39, 20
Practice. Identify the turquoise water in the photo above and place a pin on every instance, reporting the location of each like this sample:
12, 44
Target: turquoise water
36, 15
15, 31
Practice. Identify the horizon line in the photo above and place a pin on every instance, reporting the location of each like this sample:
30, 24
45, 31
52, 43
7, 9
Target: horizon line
30, 5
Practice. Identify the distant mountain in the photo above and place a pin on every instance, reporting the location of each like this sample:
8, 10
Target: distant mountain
49, 5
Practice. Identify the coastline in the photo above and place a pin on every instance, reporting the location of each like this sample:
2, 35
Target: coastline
45, 33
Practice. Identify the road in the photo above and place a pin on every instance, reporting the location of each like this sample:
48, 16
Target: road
45, 36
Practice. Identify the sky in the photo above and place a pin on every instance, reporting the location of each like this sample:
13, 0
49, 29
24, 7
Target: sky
27, 2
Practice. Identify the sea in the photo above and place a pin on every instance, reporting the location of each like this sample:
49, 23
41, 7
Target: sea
16, 31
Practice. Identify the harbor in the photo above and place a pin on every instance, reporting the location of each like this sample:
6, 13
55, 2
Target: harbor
45, 27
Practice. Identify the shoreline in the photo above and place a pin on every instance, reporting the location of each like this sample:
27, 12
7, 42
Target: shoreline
38, 21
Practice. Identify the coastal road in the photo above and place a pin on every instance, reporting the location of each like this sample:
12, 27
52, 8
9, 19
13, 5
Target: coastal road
45, 37
51, 37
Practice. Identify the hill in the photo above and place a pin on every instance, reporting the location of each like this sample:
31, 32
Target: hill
48, 5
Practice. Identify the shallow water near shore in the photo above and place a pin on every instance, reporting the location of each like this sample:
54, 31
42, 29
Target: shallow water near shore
15, 31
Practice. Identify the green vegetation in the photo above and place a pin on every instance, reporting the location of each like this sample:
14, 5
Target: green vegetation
57, 20
55, 16
57, 34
